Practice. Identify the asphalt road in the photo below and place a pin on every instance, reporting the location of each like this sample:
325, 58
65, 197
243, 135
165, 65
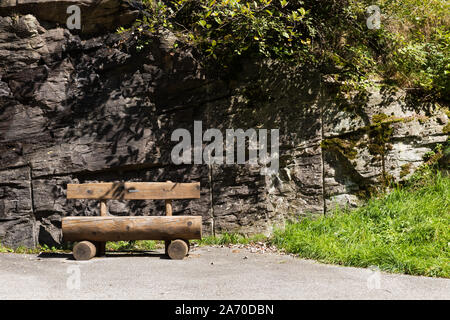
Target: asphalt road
208, 273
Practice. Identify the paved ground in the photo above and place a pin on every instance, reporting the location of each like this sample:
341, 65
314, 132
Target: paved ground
208, 273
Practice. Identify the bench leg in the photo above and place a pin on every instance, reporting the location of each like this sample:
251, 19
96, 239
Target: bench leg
101, 248
84, 250
166, 247
178, 249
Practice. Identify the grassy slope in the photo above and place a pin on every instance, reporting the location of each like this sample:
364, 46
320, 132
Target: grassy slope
405, 231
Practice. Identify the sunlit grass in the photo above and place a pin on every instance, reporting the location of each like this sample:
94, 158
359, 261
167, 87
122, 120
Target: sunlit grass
405, 231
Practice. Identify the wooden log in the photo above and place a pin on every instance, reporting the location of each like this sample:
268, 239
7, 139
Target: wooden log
134, 190
117, 228
84, 250
168, 207
178, 249
103, 208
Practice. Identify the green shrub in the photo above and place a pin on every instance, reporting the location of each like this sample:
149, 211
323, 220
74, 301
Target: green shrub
411, 48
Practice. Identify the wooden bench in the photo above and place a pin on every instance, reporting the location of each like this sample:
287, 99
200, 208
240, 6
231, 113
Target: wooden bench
93, 232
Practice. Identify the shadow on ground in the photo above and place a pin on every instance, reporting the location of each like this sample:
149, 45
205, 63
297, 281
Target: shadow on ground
110, 254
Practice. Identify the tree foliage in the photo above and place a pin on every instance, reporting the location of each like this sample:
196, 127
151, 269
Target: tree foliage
410, 49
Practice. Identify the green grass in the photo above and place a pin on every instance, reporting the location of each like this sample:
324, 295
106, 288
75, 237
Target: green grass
138, 245
38, 249
405, 231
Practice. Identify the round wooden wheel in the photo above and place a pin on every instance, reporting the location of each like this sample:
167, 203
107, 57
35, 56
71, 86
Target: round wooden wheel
84, 250
177, 249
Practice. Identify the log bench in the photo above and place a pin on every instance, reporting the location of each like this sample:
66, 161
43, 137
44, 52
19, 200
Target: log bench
91, 233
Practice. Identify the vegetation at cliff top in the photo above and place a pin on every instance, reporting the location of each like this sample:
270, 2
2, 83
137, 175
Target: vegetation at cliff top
405, 231
410, 49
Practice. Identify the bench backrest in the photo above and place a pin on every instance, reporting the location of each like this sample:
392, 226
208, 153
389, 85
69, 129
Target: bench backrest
134, 191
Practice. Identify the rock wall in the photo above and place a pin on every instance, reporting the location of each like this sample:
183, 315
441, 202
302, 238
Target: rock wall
89, 107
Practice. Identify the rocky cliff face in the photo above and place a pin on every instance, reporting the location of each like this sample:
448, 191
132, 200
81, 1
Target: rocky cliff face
89, 106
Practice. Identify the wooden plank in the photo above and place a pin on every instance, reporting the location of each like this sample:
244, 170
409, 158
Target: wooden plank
117, 228
134, 190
